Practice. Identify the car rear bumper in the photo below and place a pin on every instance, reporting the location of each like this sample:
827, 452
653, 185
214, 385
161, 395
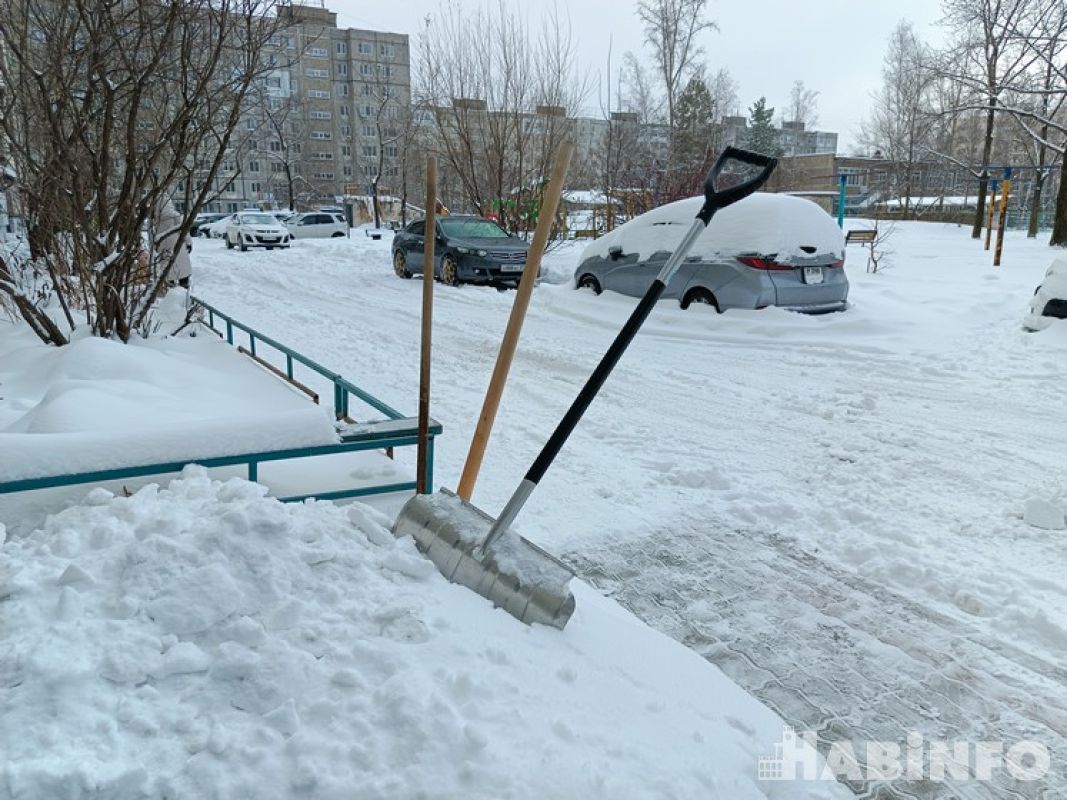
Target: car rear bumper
818, 308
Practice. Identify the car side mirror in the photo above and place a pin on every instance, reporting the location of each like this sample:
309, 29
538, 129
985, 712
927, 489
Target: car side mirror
614, 252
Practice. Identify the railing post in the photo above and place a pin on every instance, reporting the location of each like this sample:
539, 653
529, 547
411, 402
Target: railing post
289, 366
429, 465
253, 471
229, 332
252, 343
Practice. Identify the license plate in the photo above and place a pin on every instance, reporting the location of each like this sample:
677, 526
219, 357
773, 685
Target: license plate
812, 274
512, 267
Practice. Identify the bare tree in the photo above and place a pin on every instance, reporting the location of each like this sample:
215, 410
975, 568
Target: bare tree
898, 124
802, 112
672, 30
987, 58
499, 99
118, 106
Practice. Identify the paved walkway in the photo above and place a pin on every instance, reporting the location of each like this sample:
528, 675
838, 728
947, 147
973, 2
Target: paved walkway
834, 653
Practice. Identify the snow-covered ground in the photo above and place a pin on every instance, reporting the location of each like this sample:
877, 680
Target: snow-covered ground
853, 516
830, 508
202, 641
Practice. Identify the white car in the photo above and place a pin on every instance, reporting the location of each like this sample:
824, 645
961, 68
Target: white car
317, 225
1050, 298
256, 229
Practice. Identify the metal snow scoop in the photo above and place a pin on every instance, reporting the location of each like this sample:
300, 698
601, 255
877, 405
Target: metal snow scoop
471, 548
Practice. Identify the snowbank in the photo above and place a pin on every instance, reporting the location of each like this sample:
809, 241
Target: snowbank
98, 404
204, 641
761, 223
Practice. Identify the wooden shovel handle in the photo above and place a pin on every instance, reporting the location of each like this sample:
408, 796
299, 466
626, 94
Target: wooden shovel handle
427, 325
549, 205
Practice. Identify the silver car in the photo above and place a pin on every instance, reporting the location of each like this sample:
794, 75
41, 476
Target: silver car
766, 250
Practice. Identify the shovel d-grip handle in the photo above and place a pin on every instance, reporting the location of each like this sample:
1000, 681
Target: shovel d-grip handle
714, 200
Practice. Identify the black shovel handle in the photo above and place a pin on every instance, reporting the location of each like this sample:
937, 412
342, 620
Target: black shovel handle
714, 200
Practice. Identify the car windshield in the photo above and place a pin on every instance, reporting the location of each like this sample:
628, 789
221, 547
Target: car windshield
258, 219
472, 229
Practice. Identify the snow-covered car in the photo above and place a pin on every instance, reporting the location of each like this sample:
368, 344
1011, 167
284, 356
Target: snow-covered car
317, 225
256, 229
201, 221
217, 229
1050, 298
766, 250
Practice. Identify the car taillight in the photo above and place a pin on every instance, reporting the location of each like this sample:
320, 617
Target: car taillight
762, 263
840, 263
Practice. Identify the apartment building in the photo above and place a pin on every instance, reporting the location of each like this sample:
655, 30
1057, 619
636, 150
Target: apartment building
324, 119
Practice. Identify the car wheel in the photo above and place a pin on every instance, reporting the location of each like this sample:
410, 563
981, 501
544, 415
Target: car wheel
229, 244
702, 297
270, 248
244, 247
450, 271
336, 234
589, 282
400, 265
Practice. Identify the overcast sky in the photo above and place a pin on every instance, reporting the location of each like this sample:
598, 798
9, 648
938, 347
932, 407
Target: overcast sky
834, 46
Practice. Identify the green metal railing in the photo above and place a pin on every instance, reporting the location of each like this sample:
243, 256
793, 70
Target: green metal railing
343, 389
397, 431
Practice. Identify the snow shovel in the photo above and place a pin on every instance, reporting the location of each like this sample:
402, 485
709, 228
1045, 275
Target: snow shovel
471, 548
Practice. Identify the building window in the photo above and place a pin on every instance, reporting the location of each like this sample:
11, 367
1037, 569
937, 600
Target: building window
277, 166
340, 48
324, 156
366, 90
368, 130
386, 70
344, 90
253, 166
316, 52
347, 171
320, 114
321, 135
366, 69
370, 150
254, 186
317, 73
346, 130
366, 111
392, 151
319, 94
323, 176
386, 51
346, 150
344, 111
342, 68
365, 48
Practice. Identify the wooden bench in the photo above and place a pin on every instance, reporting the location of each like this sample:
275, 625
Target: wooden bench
866, 236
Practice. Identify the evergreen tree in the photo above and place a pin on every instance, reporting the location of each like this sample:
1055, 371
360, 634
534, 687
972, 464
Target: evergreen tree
761, 135
695, 138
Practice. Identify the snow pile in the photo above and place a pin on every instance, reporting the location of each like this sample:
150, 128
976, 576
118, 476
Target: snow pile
99, 404
205, 641
761, 223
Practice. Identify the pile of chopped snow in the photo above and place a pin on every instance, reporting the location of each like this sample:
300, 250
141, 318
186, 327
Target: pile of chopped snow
99, 404
205, 641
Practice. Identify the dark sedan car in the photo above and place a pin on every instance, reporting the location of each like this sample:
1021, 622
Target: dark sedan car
468, 249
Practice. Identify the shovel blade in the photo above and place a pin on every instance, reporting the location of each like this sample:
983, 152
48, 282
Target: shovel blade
514, 574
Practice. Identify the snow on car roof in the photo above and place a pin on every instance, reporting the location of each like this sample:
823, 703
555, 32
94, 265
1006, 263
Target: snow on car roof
761, 223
